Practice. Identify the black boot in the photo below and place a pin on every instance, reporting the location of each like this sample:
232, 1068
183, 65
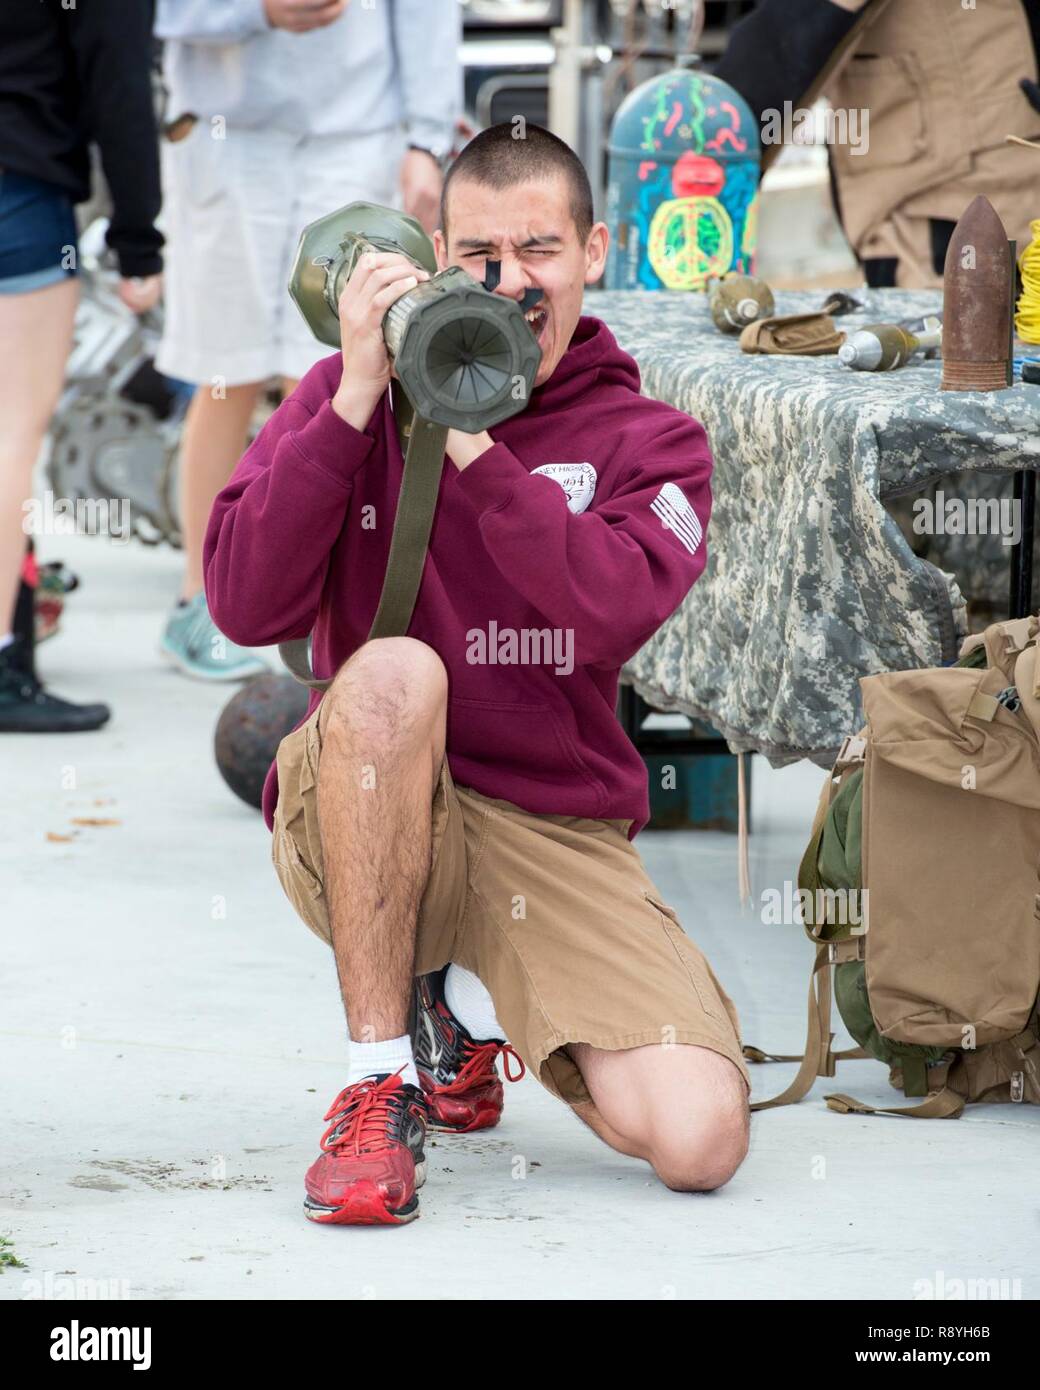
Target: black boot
26, 708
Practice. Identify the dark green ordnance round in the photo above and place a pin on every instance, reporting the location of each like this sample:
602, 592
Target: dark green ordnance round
466, 358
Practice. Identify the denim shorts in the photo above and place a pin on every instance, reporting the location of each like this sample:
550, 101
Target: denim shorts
38, 245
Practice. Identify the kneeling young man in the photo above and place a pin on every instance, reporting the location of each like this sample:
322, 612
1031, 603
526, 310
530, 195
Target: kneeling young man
460, 805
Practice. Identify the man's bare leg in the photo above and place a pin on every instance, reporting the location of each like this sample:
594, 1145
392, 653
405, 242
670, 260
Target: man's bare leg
382, 747
684, 1109
381, 755
35, 336
215, 432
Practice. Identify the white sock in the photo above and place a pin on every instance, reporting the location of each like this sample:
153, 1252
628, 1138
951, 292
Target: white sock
471, 1004
389, 1055
6, 640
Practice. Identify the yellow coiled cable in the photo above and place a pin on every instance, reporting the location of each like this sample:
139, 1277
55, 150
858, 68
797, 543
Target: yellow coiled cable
1027, 320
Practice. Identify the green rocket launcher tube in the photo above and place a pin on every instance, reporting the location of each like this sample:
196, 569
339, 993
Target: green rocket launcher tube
466, 358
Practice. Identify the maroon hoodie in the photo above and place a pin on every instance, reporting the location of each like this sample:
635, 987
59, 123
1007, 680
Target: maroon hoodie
554, 556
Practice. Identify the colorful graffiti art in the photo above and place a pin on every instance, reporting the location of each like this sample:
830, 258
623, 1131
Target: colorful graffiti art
684, 169
690, 239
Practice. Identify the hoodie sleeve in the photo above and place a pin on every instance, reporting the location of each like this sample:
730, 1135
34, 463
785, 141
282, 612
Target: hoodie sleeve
614, 573
273, 527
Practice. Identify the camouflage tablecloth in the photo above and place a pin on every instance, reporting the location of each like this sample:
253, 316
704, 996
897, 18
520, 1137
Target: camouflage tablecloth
810, 583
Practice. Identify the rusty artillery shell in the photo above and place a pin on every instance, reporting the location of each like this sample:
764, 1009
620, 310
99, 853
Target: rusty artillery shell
979, 295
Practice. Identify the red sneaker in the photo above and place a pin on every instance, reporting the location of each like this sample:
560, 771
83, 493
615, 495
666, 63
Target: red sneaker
373, 1162
458, 1073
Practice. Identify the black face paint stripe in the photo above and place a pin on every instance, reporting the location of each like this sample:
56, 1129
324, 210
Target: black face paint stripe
493, 278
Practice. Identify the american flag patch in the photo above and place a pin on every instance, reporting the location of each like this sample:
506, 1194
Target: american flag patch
676, 515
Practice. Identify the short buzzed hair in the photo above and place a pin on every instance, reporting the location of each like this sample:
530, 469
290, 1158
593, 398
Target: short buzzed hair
511, 153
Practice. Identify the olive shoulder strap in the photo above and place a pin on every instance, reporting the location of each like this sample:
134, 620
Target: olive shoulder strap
422, 444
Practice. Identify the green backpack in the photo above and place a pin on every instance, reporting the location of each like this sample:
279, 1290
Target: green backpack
923, 728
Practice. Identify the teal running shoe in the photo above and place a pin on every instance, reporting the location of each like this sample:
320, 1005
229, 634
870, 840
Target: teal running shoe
195, 645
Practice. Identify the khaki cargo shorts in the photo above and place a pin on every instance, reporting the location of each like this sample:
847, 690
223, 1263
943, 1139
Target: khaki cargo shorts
555, 914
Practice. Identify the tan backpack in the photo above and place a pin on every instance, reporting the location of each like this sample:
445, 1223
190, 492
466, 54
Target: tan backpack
919, 887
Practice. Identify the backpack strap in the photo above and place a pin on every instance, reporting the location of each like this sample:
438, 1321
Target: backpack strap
946, 1104
409, 541
851, 755
755, 1054
817, 1059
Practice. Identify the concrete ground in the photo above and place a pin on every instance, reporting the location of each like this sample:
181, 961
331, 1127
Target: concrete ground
171, 1036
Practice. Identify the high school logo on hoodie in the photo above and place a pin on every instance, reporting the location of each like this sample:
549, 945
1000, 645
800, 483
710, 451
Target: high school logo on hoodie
578, 481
